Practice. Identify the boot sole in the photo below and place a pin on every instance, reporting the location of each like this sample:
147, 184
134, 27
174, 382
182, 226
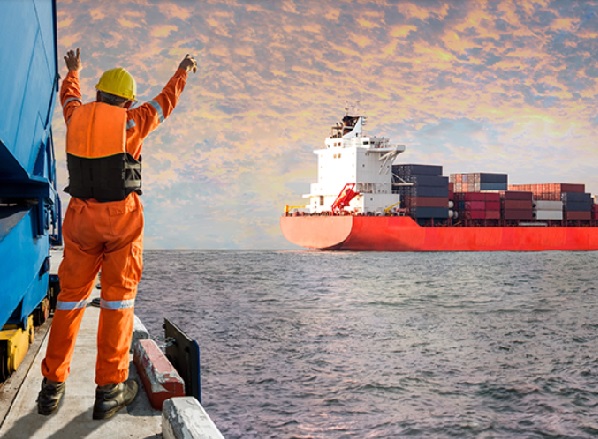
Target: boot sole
98, 416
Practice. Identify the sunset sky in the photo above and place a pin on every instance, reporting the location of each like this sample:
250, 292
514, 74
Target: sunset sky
475, 86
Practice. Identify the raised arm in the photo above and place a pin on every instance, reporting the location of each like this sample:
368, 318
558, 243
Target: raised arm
70, 90
146, 118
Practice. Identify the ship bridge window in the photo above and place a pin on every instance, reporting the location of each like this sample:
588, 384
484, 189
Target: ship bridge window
365, 142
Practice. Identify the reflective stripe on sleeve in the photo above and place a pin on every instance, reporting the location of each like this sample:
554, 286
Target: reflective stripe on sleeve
69, 306
130, 124
71, 100
158, 108
117, 304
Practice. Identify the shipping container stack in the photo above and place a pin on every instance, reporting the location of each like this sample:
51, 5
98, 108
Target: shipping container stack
426, 200
477, 205
517, 205
486, 199
548, 191
577, 206
548, 210
571, 199
479, 182
476, 197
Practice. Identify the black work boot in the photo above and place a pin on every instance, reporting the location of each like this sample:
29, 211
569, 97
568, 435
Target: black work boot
49, 397
112, 397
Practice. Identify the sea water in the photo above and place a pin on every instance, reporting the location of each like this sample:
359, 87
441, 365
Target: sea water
302, 344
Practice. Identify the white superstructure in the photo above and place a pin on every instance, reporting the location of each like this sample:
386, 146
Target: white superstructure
361, 163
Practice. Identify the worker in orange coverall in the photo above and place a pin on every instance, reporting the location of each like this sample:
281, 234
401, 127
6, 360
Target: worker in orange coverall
103, 228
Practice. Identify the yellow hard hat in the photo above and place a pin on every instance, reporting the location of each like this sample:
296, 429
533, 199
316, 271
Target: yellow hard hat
118, 82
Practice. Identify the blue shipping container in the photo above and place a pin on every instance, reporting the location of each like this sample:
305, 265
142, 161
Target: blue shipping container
413, 169
429, 212
424, 191
427, 180
29, 202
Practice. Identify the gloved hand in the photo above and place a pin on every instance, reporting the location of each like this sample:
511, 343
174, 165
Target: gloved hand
73, 60
188, 63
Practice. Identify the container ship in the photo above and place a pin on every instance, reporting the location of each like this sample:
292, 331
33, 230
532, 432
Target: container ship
364, 201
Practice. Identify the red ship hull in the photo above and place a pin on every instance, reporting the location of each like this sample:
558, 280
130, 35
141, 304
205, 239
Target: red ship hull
400, 233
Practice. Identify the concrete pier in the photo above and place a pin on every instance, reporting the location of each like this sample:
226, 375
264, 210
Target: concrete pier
74, 418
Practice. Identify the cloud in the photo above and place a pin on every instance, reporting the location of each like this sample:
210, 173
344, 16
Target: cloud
163, 31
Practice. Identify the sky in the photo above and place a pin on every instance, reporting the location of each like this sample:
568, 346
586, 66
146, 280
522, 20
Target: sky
475, 86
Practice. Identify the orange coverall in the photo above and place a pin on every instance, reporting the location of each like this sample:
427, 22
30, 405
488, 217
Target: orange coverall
109, 236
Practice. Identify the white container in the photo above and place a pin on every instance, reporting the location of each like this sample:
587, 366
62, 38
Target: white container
548, 215
548, 205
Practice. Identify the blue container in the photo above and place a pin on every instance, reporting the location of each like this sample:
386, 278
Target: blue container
568, 197
577, 206
493, 186
28, 86
424, 191
493, 178
427, 180
429, 212
412, 169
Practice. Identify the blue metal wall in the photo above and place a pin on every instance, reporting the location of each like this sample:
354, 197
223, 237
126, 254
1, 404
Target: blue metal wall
29, 203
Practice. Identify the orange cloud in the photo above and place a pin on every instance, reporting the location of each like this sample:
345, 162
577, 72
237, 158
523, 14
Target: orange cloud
163, 31
126, 23
412, 10
402, 31
173, 10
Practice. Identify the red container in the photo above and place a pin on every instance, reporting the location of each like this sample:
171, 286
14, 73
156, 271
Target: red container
517, 204
571, 187
493, 214
492, 196
475, 205
517, 195
578, 216
474, 196
518, 214
477, 196
493, 205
